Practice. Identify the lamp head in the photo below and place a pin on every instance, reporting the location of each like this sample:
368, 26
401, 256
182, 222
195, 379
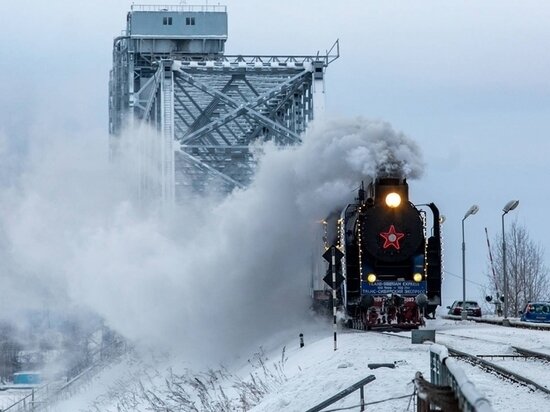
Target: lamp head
511, 205
393, 199
471, 211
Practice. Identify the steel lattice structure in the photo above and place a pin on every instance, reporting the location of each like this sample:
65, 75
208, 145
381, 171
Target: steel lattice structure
209, 109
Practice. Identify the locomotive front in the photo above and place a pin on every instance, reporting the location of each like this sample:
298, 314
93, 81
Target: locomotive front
392, 270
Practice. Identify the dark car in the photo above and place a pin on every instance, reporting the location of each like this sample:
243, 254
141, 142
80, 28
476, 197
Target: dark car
536, 312
472, 308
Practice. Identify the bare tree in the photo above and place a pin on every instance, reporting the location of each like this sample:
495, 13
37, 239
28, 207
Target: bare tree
528, 277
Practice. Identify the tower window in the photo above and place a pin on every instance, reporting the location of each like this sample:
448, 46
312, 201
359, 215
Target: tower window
189, 21
167, 21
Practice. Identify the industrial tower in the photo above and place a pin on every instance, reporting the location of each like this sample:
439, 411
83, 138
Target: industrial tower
203, 111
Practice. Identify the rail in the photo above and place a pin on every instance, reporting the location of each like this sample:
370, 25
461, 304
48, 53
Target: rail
340, 395
532, 354
510, 322
515, 377
54, 391
252, 61
445, 372
256, 60
27, 403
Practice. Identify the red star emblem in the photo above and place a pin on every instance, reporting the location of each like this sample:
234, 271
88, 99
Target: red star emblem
391, 238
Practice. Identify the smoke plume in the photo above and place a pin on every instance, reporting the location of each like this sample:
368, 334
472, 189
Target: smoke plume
213, 278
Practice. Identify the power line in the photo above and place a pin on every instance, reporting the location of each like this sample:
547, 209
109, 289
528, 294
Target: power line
460, 277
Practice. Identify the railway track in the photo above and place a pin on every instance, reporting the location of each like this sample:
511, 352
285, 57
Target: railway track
491, 367
507, 361
522, 381
514, 357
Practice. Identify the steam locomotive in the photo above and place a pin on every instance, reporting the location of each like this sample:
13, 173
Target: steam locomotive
390, 267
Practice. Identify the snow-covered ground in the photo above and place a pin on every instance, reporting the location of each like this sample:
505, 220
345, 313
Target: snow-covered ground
286, 377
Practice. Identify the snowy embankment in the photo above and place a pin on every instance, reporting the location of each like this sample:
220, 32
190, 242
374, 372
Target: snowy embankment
284, 378
290, 378
317, 372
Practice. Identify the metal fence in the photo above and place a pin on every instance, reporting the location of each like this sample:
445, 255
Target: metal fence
31, 401
42, 396
446, 373
357, 386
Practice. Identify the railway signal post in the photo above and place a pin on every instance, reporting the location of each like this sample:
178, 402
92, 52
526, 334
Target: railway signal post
334, 256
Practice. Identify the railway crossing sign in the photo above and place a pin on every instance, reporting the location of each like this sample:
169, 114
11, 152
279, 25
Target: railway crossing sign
338, 255
328, 254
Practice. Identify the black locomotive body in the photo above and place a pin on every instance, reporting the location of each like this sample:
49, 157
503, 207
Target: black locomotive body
391, 261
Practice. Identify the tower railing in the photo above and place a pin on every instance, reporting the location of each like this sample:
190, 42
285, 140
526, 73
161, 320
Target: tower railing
179, 7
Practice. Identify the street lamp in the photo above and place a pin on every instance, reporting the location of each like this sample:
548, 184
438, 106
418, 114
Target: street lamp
471, 211
511, 205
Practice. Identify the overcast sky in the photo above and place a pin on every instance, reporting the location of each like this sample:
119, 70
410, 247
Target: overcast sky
467, 80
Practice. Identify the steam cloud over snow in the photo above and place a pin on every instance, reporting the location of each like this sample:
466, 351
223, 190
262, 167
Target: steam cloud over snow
215, 276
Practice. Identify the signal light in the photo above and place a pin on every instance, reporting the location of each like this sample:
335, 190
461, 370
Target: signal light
393, 199
417, 277
371, 278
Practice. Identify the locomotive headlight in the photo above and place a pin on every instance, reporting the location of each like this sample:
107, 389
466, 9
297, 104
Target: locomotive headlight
393, 199
371, 278
417, 277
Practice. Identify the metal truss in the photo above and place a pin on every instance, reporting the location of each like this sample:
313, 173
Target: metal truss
219, 108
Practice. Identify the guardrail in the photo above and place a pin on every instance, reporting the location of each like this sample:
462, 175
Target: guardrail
42, 396
513, 322
28, 402
446, 374
359, 385
178, 7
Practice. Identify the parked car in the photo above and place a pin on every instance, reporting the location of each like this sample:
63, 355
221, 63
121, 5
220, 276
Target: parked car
472, 308
536, 312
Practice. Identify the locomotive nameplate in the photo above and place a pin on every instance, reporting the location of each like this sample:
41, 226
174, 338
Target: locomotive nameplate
406, 287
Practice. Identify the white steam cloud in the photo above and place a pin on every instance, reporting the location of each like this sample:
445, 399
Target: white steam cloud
212, 279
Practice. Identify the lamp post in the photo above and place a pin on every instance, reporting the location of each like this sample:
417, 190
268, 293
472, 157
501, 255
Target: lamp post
471, 211
511, 205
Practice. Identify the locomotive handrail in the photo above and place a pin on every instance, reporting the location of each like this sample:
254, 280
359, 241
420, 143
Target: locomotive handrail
447, 372
340, 395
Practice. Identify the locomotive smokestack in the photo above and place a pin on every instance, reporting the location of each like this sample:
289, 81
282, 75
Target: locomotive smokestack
361, 197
